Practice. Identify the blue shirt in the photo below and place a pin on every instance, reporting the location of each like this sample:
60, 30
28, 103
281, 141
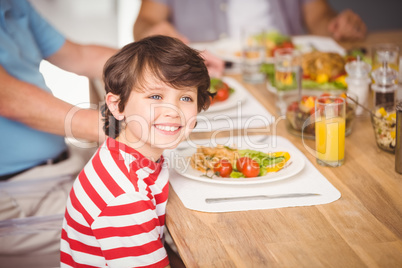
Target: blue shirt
25, 39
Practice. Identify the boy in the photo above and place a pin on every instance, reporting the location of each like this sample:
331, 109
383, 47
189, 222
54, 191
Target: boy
115, 213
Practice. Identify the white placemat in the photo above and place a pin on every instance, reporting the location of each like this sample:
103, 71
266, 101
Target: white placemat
243, 112
194, 193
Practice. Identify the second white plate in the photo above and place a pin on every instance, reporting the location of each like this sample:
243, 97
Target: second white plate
237, 97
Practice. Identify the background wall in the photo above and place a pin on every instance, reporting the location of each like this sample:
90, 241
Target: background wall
104, 22
378, 14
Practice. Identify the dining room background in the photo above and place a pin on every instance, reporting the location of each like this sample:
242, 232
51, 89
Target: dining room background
109, 22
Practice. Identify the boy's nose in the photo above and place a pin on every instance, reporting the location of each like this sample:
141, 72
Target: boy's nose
168, 109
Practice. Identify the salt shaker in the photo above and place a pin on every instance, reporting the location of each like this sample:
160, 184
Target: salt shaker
358, 81
384, 86
398, 137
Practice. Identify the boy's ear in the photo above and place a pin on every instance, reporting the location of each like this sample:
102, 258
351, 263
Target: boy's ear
112, 102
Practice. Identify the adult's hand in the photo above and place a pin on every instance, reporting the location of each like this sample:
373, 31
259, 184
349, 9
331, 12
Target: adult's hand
215, 65
347, 25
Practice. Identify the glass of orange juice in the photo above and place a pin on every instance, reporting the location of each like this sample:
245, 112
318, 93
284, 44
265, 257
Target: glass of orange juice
330, 130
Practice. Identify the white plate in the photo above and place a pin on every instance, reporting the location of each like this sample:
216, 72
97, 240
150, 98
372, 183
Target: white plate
230, 50
184, 168
237, 97
227, 49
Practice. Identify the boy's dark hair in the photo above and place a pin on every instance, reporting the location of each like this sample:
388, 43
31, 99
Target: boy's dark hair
167, 58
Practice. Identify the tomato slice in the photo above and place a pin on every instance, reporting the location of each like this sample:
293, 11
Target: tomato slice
325, 95
223, 167
249, 167
222, 94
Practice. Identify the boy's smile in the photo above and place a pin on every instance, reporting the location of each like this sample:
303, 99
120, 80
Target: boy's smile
168, 129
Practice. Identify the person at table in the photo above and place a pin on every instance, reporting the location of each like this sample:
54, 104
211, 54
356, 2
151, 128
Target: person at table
115, 213
33, 122
210, 20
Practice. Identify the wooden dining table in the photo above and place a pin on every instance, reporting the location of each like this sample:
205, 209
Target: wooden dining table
361, 229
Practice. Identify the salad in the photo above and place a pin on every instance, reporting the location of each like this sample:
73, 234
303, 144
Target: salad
384, 124
274, 40
224, 161
220, 90
271, 41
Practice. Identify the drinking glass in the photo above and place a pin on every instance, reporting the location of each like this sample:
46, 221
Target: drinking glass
287, 62
330, 131
253, 55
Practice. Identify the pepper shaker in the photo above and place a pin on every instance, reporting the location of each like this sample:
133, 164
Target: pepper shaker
384, 86
398, 148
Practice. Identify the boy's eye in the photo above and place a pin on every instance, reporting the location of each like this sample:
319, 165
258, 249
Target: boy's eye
186, 99
155, 97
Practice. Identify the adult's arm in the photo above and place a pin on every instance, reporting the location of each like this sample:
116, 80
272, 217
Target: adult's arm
321, 19
153, 19
36, 108
23, 102
86, 60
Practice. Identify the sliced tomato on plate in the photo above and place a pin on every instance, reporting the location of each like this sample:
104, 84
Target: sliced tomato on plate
249, 167
223, 167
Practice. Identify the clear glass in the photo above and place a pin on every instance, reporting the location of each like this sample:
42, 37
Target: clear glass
383, 119
330, 131
287, 62
253, 55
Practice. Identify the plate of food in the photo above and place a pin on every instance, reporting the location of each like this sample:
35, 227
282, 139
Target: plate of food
230, 49
227, 94
232, 165
227, 49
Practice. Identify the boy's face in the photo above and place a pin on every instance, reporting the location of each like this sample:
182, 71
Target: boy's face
158, 118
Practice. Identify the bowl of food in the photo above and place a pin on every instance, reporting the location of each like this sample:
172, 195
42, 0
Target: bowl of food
299, 111
383, 119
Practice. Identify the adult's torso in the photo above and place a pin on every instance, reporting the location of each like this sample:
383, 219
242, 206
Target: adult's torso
26, 39
210, 20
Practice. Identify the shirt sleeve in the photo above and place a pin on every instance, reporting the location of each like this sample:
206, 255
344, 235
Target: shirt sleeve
47, 37
128, 231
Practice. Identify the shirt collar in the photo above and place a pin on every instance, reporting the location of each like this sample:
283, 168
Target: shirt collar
144, 162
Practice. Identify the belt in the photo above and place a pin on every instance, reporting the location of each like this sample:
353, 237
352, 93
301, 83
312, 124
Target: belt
61, 157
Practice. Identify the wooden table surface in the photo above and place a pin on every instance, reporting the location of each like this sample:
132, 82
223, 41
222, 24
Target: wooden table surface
361, 229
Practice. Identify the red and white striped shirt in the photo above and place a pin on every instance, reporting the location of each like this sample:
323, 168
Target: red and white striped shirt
115, 213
